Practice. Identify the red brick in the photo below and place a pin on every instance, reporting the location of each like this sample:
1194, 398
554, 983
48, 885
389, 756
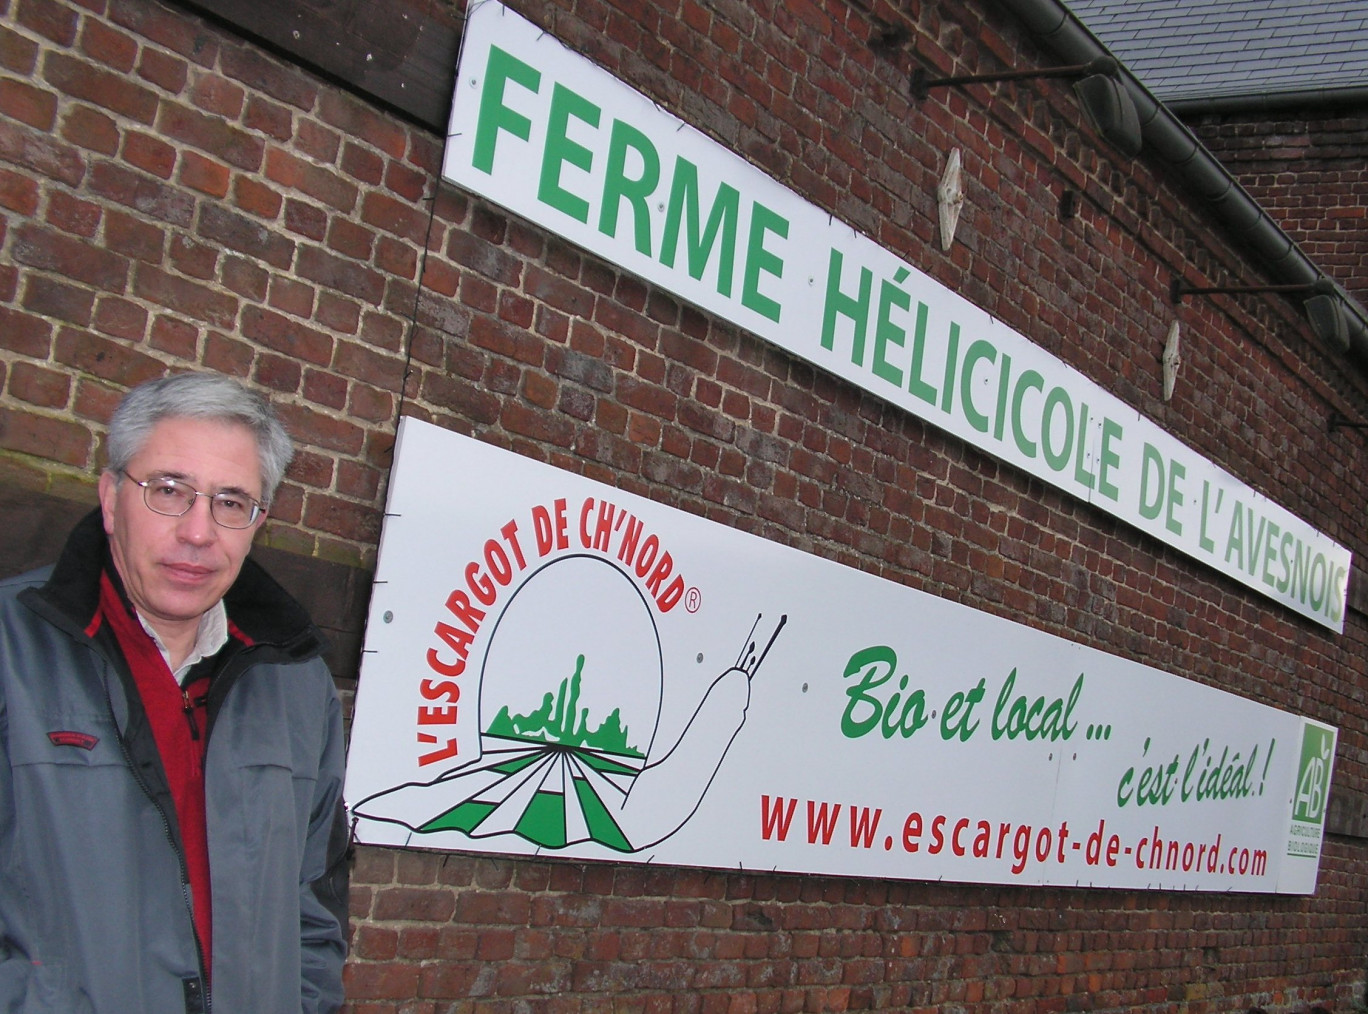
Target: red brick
27, 104
218, 95
18, 193
105, 45
245, 277
292, 297
22, 146
358, 361
196, 260
305, 219
319, 183
343, 275
39, 386
228, 355
286, 336
255, 198
99, 87
51, 439
270, 118
404, 220
106, 359
409, 183
362, 164
338, 313
164, 70
57, 298
91, 129
70, 214
204, 174
199, 302
120, 318
326, 431
18, 53
212, 135
146, 196
370, 404
279, 373
25, 333
149, 153
49, 19
325, 389
396, 258
350, 239
355, 120
248, 236
133, 237
314, 140
166, 27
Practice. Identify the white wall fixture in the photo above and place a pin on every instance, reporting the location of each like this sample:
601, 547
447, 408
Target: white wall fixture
1173, 358
950, 197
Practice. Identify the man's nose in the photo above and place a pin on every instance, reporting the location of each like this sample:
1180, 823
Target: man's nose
197, 525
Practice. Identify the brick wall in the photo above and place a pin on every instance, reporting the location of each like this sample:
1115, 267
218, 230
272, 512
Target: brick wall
1309, 168
175, 196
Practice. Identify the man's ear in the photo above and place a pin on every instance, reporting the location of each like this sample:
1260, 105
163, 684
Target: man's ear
109, 493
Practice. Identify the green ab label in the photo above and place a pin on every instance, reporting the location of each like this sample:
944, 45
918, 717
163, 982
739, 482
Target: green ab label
1313, 774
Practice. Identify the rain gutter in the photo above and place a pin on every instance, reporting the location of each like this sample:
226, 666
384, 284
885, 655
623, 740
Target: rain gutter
1166, 137
1296, 98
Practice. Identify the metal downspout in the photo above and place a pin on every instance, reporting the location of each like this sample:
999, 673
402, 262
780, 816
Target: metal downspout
1167, 137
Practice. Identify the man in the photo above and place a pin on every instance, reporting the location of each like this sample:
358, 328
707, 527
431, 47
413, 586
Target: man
171, 832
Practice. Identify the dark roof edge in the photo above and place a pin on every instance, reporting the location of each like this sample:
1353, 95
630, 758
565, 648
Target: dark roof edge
1168, 138
1301, 98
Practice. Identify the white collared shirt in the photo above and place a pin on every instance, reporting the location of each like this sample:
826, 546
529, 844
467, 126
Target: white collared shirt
209, 638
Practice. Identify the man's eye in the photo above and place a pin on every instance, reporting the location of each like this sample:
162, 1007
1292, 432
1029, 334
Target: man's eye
229, 502
166, 490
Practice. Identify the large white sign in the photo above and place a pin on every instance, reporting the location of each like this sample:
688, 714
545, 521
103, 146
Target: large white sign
557, 667
549, 135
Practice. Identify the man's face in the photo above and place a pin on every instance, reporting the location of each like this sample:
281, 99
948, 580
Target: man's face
175, 568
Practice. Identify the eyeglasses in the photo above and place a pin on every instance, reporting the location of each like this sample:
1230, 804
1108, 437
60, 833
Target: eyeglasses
174, 498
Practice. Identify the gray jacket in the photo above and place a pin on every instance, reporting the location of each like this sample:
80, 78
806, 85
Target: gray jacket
94, 905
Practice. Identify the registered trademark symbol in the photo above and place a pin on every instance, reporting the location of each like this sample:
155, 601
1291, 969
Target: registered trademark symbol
693, 599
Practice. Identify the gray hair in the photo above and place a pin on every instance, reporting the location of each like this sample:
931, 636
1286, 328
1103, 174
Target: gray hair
211, 396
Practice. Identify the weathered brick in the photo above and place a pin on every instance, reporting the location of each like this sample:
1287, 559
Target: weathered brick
106, 89
287, 336
212, 135
148, 196
90, 129
149, 153
164, 70
193, 299
18, 193
107, 46
52, 20
25, 333
22, 146
345, 276
18, 53
245, 235
39, 386
204, 174
57, 298
317, 182
47, 437
27, 104
106, 359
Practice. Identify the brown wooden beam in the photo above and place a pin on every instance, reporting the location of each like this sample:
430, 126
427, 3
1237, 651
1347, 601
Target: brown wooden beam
399, 53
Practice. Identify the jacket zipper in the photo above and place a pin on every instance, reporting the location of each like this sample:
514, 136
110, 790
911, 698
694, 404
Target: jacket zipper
166, 828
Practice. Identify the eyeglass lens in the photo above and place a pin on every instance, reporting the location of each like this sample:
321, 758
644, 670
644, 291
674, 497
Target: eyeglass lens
174, 498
